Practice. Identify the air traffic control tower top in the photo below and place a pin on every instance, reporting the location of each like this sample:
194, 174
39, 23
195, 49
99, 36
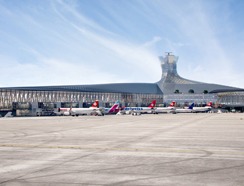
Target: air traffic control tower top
168, 64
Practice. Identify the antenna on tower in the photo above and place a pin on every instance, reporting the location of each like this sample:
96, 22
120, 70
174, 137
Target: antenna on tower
168, 53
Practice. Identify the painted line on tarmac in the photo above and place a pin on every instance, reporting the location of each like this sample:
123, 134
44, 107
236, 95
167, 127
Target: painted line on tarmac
220, 152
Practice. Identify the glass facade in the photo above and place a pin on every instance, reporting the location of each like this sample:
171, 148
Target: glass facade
183, 99
231, 98
10, 96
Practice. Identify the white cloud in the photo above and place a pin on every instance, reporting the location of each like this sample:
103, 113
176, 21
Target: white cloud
65, 41
51, 72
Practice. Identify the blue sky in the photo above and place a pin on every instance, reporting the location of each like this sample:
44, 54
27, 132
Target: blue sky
71, 42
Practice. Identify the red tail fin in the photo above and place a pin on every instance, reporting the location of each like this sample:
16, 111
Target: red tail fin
153, 104
172, 104
210, 104
95, 104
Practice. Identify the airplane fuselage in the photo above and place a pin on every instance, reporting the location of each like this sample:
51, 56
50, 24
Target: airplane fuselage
183, 110
201, 109
164, 109
78, 111
138, 109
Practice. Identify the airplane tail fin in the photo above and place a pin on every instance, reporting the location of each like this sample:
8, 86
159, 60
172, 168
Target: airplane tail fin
210, 104
95, 104
152, 104
9, 114
191, 106
172, 104
114, 107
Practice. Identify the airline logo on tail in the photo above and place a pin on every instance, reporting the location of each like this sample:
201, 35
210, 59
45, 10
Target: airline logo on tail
191, 106
114, 107
210, 104
153, 104
95, 104
172, 104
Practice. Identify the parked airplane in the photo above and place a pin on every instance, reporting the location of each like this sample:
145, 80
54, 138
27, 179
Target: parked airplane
113, 110
185, 110
207, 108
139, 110
81, 111
169, 109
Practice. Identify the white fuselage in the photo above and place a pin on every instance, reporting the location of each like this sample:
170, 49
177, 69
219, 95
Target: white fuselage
84, 111
129, 110
201, 109
164, 109
78, 111
183, 110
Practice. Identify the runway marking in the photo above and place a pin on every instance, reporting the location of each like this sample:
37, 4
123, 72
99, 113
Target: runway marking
215, 152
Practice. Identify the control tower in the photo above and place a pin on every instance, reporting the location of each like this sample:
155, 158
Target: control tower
172, 82
168, 64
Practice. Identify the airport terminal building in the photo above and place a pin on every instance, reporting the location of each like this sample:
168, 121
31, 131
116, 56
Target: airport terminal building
171, 87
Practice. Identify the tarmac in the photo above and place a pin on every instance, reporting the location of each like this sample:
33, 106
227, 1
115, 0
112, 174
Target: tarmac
165, 149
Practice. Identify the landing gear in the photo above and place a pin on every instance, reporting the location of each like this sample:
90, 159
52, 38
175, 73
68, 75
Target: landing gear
136, 113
